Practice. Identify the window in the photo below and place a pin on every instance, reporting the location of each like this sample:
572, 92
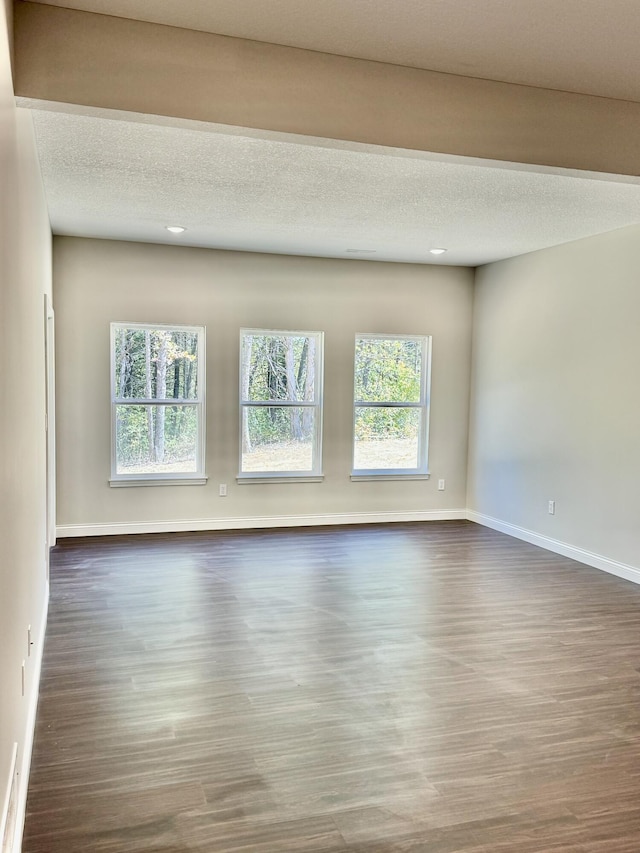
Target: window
280, 404
157, 403
391, 409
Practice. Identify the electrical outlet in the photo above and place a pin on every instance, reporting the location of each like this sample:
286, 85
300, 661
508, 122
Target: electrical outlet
552, 507
441, 485
223, 490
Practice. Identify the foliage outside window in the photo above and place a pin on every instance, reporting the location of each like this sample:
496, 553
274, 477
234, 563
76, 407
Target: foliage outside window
280, 403
157, 393
391, 405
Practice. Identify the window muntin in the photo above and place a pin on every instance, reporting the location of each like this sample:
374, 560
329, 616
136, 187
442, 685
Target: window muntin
391, 405
157, 402
280, 403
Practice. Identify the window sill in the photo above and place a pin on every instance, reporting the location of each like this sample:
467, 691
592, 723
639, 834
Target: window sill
252, 479
134, 482
361, 478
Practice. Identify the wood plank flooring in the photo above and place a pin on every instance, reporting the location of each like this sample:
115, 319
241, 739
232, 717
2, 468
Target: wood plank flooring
419, 688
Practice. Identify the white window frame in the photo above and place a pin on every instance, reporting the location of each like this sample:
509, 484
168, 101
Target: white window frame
178, 478
421, 472
315, 475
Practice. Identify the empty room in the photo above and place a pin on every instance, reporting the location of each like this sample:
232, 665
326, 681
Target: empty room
319, 426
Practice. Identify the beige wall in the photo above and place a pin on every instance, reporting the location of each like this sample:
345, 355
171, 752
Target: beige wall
25, 275
68, 56
96, 282
555, 406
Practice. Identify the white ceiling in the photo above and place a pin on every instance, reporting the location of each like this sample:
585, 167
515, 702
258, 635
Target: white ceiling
120, 176
112, 178
586, 46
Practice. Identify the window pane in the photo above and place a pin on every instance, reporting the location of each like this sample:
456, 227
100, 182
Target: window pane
156, 439
156, 364
278, 367
386, 438
277, 438
388, 370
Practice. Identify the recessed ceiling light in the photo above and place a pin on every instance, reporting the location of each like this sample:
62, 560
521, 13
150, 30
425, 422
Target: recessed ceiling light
175, 229
437, 251
361, 251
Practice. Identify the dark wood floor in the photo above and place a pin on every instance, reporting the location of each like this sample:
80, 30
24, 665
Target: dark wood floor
425, 688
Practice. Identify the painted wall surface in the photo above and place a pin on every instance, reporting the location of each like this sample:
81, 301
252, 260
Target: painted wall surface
25, 275
73, 57
555, 402
96, 282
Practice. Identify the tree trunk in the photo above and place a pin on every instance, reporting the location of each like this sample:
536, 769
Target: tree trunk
246, 381
309, 389
296, 427
176, 378
124, 363
188, 371
176, 426
161, 394
303, 362
147, 389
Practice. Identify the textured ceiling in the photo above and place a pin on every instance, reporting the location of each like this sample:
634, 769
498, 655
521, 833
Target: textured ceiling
586, 46
126, 180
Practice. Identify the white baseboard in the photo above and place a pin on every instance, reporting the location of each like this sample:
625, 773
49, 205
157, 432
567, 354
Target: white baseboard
253, 522
597, 561
24, 756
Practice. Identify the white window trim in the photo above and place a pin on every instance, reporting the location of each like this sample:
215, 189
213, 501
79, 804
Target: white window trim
179, 478
315, 475
422, 470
